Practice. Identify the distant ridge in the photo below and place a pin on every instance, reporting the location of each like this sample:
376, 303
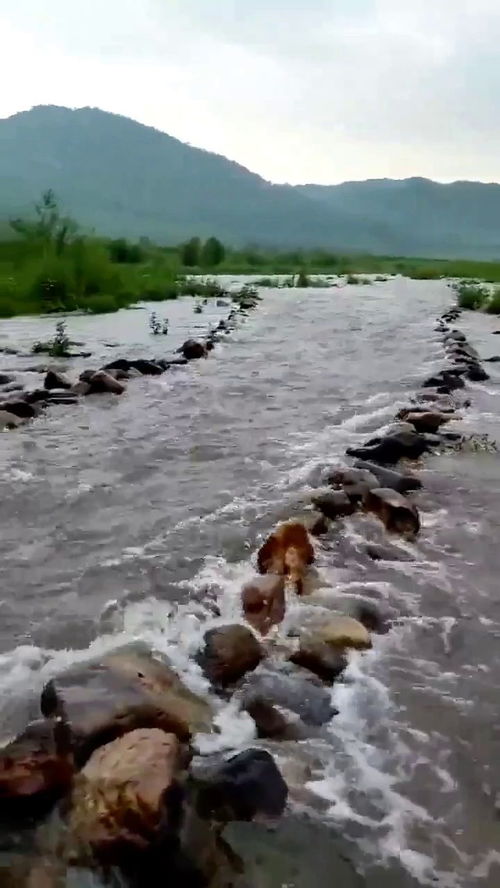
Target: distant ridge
119, 177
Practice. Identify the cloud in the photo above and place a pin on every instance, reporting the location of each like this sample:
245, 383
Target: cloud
323, 91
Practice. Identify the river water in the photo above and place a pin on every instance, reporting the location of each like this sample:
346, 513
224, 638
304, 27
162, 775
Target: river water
132, 517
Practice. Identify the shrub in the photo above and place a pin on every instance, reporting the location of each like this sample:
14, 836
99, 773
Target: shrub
101, 303
122, 252
470, 295
493, 303
353, 279
302, 279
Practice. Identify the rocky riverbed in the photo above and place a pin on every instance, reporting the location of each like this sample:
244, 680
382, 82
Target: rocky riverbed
262, 578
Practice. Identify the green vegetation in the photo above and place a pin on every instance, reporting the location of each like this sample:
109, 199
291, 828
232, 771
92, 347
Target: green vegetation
493, 304
475, 296
58, 347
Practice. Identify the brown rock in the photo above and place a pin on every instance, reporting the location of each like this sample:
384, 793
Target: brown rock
288, 551
33, 773
81, 388
193, 350
342, 631
229, 653
397, 513
263, 602
428, 421
269, 721
120, 801
103, 382
319, 657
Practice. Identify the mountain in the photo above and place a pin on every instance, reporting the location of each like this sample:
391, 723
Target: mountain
119, 177
428, 218
123, 178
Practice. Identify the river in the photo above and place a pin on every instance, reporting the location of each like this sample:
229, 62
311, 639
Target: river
132, 517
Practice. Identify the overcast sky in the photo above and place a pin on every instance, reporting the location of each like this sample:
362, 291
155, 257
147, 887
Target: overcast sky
297, 90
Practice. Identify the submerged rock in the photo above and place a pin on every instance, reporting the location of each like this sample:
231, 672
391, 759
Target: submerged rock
397, 513
354, 482
390, 449
334, 504
193, 350
9, 420
20, 408
56, 380
240, 788
229, 652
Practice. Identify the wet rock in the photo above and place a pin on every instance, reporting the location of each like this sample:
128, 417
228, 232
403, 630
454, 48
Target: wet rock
147, 368
81, 388
341, 632
287, 551
319, 657
369, 615
314, 522
270, 723
125, 798
291, 689
229, 652
178, 362
354, 482
428, 421
398, 514
20, 408
119, 364
389, 478
494, 359
9, 420
5, 378
33, 772
476, 373
263, 602
240, 788
56, 380
193, 350
116, 373
455, 335
102, 382
334, 504
391, 449
386, 553
126, 691
445, 381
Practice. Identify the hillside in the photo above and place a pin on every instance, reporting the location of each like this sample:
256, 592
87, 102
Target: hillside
432, 219
122, 178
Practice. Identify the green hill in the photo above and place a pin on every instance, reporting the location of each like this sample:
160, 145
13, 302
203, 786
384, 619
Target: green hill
119, 177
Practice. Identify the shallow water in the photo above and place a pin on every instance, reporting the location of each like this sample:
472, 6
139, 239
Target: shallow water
127, 518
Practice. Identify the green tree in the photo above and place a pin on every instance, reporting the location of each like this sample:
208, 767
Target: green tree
49, 227
190, 253
212, 253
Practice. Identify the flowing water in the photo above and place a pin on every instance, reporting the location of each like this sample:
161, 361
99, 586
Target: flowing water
134, 517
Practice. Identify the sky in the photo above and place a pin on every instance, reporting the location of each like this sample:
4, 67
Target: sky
296, 90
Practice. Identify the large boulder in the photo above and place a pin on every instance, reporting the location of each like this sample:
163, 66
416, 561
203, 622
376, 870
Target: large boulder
127, 690
240, 788
263, 602
102, 382
289, 688
403, 483
125, 799
390, 449
192, 350
398, 514
56, 380
287, 551
228, 653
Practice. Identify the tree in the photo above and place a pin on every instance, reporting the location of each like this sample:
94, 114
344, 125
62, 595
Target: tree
49, 227
190, 253
212, 253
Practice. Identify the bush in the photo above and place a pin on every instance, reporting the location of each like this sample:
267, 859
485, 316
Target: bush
353, 279
302, 279
122, 252
493, 304
101, 303
470, 295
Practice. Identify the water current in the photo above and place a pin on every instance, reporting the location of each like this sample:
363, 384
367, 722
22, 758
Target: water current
138, 518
